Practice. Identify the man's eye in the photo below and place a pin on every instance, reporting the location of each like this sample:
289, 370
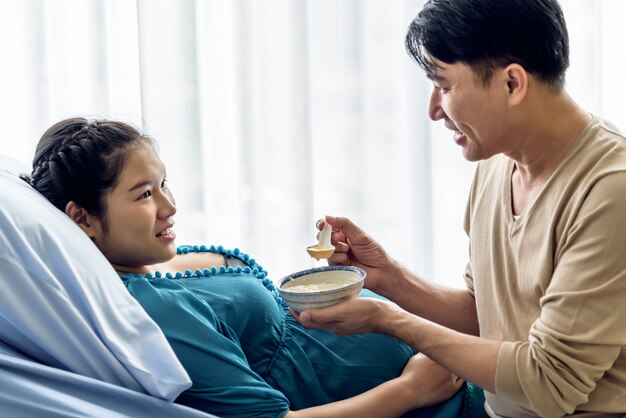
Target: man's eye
145, 194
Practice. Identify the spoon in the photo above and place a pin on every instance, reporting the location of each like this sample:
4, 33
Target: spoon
323, 249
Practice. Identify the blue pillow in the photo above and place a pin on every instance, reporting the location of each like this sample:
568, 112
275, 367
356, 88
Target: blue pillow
63, 305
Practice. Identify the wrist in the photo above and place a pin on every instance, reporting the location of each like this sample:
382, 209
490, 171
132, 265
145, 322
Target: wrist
388, 317
406, 396
391, 274
378, 316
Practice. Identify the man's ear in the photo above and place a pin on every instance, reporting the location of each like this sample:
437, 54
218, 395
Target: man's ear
81, 217
516, 83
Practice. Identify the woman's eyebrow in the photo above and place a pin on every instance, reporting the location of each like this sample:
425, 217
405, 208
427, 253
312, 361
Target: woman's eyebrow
141, 184
146, 182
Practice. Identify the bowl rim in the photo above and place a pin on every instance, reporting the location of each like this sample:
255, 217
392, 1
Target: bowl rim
322, 269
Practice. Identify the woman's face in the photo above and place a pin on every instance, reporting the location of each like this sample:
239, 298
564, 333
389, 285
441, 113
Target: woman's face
139, 215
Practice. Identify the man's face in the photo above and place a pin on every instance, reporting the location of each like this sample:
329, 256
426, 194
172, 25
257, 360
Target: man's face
474, 112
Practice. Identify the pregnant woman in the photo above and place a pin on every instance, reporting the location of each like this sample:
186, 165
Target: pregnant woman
221, 314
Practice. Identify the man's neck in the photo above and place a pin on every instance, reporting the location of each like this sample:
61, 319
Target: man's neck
553, 128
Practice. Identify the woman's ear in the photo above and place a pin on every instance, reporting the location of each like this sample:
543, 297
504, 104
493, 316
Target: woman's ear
516, 83
81, 217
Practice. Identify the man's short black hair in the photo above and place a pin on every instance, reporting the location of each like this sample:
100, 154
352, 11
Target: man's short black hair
489, 34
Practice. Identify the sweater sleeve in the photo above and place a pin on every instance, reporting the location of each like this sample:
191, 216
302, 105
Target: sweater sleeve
580, 331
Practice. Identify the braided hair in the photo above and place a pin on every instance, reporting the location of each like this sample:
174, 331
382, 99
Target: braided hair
80, 160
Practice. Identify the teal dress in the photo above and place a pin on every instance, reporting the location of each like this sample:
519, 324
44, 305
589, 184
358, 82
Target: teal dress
246, 355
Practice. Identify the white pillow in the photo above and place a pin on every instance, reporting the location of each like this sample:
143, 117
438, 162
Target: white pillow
62, 304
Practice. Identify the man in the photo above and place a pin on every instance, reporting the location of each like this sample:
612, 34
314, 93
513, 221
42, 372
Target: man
540, 326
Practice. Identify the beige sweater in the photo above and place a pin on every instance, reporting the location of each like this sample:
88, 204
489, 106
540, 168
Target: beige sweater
552, 284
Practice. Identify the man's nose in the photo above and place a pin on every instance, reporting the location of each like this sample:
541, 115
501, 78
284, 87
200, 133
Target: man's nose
435, 111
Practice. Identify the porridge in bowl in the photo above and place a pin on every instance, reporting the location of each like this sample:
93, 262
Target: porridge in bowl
320, 281
319, 287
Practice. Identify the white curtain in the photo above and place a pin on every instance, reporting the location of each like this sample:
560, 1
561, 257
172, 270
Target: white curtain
272, 113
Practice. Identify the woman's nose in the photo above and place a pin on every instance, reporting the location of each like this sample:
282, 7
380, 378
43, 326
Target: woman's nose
168, 206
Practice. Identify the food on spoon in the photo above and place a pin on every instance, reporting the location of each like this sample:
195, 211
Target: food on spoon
323, 249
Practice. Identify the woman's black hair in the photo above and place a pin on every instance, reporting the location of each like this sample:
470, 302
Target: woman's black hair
80, 160
489, 34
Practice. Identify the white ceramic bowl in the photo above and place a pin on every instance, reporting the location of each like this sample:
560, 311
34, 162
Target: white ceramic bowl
319, 287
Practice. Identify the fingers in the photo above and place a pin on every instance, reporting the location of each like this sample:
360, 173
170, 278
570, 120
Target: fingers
336, 235
345, 225
344, 232
455, 381
340, 224
330, 317
435, 383
305, 319
339, 238
313, 318
339, 258
458, 383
